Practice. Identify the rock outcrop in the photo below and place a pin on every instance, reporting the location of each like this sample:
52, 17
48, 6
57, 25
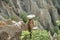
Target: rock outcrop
10, 32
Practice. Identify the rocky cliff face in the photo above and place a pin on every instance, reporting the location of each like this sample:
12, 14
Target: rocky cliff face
47, 11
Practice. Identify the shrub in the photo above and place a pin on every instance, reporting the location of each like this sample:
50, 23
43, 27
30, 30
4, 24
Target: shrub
40, 35
36, 35
59, 35
25, 35
58, 23
24, 17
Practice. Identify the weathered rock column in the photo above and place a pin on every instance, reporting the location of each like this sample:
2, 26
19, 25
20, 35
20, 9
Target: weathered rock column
30, 23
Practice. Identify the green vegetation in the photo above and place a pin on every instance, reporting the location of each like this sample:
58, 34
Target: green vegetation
40, 35
25, 35
24, 16
13, 17
36, 35
6, 17
59, 35
58, 23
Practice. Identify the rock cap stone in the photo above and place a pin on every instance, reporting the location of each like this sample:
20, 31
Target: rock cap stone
30, 16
